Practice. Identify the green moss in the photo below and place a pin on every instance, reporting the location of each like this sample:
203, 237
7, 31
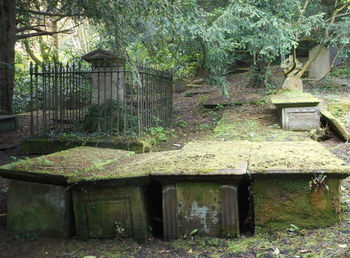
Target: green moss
281, 202
294, 98
103, 208
48, 214
255, 127
335, 124
200, 158
293, 157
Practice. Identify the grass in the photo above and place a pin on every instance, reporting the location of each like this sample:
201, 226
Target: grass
254, 126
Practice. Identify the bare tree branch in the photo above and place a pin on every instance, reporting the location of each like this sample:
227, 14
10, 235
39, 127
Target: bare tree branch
43, 33
52, 14
30, 27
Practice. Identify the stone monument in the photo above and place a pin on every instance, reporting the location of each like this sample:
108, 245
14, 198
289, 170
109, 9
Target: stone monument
323, 62
299, 111
107, 75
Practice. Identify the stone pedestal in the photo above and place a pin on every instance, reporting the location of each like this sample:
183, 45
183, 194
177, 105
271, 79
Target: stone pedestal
210, 209
299, 111
300, 118
39, 209
110, 212
279, 202
107, 76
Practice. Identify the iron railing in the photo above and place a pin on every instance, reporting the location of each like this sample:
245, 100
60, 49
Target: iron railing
105, 98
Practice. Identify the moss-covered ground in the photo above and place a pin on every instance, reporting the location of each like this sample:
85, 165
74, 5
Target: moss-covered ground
192, 123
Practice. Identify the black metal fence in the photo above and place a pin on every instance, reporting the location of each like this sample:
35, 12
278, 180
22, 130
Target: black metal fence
104, 98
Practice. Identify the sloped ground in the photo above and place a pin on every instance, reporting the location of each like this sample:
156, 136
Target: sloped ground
254, 122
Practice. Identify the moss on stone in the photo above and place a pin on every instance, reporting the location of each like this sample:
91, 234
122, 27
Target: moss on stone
344, 106
278, 203
74, 164
201, 158
335, 124
294, 99
294, 157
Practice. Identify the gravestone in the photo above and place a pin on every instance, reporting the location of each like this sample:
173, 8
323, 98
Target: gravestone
321, 65
107, 76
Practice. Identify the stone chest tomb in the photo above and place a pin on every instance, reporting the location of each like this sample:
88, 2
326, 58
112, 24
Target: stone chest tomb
202, 188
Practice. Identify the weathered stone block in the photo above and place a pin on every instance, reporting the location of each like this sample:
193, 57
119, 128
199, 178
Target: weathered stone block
210, 208
39, 209
7, 123
109, 212
301, 118
293, 84
198, 207
279, 202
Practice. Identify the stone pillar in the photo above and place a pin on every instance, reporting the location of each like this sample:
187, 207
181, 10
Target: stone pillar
169, 212
107, 77
229, 211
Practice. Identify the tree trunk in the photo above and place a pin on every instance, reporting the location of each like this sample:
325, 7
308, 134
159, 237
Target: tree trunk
7, 53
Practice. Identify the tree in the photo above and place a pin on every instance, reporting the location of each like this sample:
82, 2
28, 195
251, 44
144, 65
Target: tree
7, 53
23, 19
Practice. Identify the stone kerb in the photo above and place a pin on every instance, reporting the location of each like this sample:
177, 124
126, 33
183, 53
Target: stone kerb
107, 76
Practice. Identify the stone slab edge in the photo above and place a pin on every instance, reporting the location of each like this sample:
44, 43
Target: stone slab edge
337, 127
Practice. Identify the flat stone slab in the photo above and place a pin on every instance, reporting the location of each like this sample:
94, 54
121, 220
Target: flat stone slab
305, 157
294, 99
210, 158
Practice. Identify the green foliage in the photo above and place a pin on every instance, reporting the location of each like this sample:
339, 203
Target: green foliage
159, 134
181, 123
109, 117
21, 90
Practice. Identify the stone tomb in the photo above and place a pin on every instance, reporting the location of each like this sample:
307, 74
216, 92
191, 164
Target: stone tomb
107, 76
281, 186
199, 188
299, 111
